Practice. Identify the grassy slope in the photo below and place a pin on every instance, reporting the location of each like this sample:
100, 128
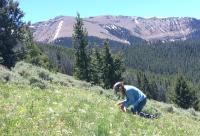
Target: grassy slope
65, 106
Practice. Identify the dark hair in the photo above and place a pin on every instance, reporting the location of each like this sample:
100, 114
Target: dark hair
116, 86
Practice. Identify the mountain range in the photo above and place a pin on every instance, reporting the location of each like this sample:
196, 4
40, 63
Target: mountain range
120, 30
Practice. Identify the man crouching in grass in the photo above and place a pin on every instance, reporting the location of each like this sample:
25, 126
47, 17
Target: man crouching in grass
134, 97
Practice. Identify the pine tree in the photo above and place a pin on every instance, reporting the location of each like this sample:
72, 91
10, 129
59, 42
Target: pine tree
96, 67
149, 88
80, 42
196, 104
154, 94
183, 96
107, 67
139, 80
146, 86
118, 67
36, 56
12, 32
143, 83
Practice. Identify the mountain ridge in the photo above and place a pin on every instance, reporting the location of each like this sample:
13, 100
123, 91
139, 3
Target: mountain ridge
121, 29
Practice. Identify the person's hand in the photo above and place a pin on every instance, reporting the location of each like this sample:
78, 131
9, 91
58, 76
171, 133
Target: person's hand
123, 108
120, 103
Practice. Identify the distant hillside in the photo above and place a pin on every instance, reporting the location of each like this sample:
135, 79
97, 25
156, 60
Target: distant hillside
34, 101
120, 30
166, 58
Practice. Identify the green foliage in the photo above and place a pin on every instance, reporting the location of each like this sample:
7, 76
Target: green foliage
166, 58
61, 59
105, 68
37, 83
90, 65
45, 76
111, 70
102, 129
96, 67
36, 56
12, 33
184, 97
149, 88
118, 66
196, 104
28, 74
161, 62
80, 42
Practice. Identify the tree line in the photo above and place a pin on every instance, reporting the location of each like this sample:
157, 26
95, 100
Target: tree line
166, 58
161, 65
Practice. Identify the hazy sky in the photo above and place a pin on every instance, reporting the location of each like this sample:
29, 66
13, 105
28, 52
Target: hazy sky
40, 10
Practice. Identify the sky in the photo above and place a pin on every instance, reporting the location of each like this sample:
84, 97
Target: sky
40, 10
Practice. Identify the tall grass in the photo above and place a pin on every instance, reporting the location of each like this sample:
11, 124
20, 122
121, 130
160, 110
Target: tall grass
66, 106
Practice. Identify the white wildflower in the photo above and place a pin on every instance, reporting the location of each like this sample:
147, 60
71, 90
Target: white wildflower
51, 110
82, 110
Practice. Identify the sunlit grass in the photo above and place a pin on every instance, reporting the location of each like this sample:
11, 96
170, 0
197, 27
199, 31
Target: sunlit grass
77, 108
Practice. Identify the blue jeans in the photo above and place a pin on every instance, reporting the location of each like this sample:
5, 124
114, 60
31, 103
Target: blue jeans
138, 108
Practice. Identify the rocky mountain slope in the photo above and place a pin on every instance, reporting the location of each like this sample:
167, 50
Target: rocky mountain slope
118, 29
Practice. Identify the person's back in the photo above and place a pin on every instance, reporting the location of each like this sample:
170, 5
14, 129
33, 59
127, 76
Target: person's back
133, 95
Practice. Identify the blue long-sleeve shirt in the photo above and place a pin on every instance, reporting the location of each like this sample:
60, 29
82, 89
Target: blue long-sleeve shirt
133, 96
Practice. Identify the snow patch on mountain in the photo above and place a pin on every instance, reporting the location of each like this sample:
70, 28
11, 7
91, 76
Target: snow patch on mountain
31, 26
136, 21
111, 27
127, 42
114, 27
58, 29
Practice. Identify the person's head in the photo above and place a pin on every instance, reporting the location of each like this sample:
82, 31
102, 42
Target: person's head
119, 88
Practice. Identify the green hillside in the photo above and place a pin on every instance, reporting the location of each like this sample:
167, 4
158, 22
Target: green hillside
34, 101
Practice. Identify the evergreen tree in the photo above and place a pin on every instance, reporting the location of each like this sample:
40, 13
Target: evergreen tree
80, 42
139, 80
150, 88
36, 56
183, 96
146, 86
118, 67
96, 67
60, 58
108, 72
154, 94
143, 83
196, 103
12, 32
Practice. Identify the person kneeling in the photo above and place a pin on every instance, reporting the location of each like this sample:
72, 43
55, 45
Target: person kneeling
134, 97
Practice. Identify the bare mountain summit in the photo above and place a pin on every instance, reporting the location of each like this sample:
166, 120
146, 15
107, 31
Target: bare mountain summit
118, 29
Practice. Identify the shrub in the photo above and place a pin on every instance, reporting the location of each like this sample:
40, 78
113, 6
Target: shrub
24, 73
45, 76
37, 83
170, 109
192, 112
6, 77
